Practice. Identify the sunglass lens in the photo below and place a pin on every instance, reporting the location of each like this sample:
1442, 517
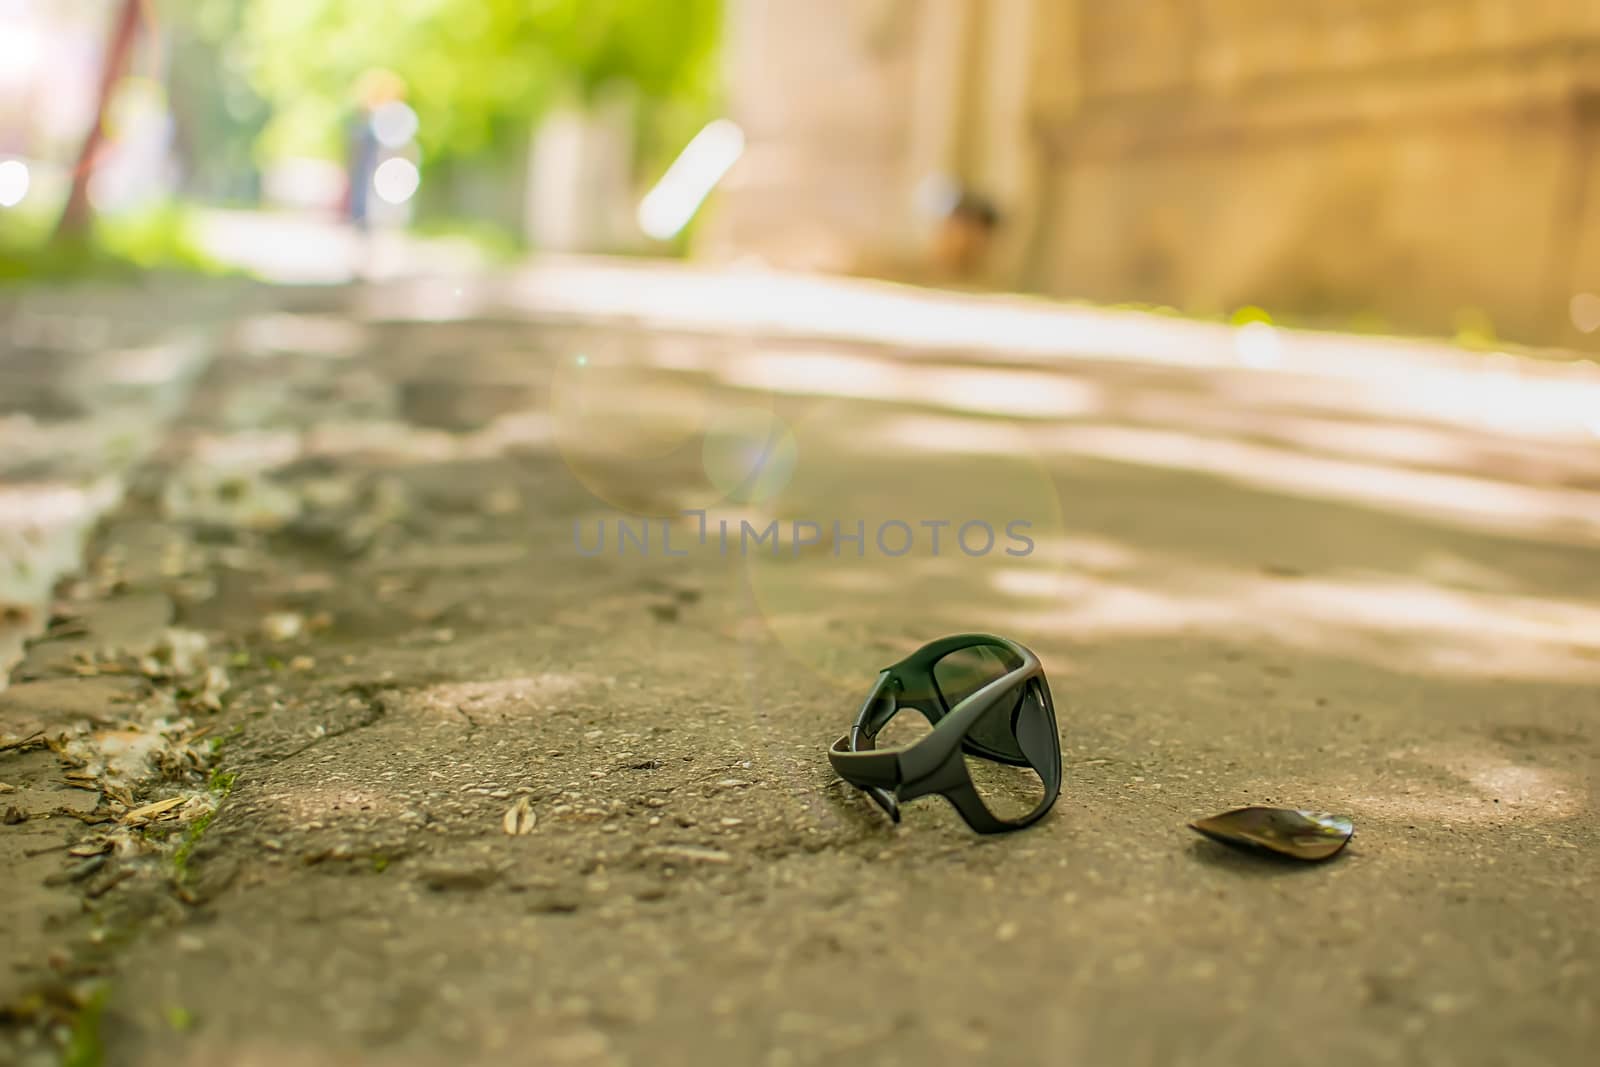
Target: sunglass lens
1013, 790
963, 672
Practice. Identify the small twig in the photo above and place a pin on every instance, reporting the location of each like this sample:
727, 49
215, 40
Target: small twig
35, 737
118, 876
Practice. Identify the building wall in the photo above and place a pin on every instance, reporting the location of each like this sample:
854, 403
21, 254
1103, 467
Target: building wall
1414, 159
823, 91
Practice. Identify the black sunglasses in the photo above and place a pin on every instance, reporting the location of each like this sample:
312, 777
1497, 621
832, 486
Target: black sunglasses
984, 696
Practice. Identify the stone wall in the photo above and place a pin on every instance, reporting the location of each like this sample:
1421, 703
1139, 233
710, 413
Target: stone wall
1419, 163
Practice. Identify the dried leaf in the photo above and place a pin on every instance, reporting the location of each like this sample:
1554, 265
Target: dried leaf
1301, 835
37, 737
283, 626
58, 744
88, 818
690, 853
520, 818
151, 811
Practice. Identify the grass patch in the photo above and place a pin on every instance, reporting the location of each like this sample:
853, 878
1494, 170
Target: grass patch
117, 249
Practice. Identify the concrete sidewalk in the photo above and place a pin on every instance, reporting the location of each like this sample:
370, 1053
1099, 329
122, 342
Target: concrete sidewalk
344, 632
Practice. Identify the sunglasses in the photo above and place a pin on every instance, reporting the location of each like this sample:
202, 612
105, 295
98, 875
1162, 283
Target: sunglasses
993, 751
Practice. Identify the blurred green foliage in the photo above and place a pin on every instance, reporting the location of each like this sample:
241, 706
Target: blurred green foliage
479, 72
218, 115
123, 246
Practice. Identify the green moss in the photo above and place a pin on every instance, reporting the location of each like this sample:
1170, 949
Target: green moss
84, 1046
191, 840
221, 784
178, 1017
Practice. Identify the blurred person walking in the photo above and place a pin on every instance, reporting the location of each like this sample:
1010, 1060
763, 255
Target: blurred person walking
375, 90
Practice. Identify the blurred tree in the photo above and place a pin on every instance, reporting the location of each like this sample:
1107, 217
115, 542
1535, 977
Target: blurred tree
217, 115
479, 71
282, 74
76, 216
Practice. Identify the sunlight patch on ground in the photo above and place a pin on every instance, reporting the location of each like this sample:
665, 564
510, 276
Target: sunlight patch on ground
299, 334
988, 391
937, 433
1490, 788
300, 248
397, 442
1392, 376
1406, 444
447, 299
246, 450
1477, 502
41, 529
1400, 623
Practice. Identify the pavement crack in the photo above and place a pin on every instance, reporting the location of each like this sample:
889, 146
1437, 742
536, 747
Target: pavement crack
374, 709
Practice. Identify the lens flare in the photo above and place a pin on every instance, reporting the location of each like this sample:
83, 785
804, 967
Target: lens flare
1585, 309
14, 182
22, 53
749, 453
394, 124
396, 180
1258, 345
626, 425
667, 208
954, 521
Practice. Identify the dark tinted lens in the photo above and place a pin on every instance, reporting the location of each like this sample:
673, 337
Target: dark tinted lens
963, 672
879, 712
1023, 726
1009, 791
906, 727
